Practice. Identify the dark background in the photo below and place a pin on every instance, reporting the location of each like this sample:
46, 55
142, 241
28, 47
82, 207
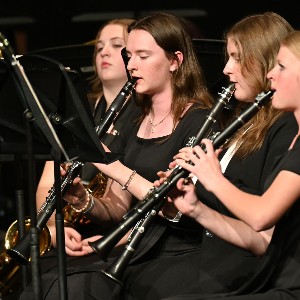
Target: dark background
36, 25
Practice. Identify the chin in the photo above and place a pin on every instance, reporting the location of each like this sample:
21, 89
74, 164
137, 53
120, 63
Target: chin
276, 103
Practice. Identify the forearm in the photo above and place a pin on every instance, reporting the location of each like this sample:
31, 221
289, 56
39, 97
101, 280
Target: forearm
232, 230
108, 209
135, 184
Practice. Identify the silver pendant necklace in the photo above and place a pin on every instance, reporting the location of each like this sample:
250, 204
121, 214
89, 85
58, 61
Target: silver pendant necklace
154, 125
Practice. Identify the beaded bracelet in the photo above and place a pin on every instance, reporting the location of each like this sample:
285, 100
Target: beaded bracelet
92, 204
80, 210
125, 186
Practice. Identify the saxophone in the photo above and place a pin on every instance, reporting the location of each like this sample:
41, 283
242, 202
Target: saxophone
9, 267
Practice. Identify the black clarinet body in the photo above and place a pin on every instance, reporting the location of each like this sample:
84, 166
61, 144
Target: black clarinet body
155, 196
115, 107
102, 248
116, 270
215, 112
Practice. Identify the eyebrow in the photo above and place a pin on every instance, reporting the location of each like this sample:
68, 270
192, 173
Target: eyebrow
142, 51
114, 38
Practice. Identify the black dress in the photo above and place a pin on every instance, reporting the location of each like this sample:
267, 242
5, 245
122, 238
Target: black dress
278, 274
216, 266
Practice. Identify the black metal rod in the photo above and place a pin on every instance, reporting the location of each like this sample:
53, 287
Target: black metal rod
34, 234
60, 235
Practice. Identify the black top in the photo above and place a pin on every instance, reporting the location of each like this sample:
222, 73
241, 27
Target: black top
216, 266
125, 119
278, 275
147, 157
248, 174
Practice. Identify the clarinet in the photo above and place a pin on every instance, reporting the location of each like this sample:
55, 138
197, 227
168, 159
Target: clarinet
116, 270
21, 251
156, 195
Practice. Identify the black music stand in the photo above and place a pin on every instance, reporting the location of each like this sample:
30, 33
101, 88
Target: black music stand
78, 57
46, 115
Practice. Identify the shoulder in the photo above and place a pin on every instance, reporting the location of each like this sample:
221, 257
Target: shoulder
195, 113
198, 117
284, 129
129, 113
286, 120
190, 123
292, 159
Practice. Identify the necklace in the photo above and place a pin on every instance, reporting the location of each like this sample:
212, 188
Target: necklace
154, 125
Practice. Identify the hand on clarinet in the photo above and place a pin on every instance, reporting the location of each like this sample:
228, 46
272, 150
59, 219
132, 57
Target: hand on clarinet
76, 195
205, 166
185, 198
178, 197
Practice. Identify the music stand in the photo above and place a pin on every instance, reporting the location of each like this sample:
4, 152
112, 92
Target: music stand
60, 123
78, 57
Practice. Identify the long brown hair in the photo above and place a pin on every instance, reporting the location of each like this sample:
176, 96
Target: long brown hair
258, 38
188, 82
95, 82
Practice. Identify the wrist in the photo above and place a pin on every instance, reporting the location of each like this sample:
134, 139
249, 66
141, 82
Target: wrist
174, 219
130, 178
82, 205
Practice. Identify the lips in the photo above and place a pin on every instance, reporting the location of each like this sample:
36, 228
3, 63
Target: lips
105, 65
139, 77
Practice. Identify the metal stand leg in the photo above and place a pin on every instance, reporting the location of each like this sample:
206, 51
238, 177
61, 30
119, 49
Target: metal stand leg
60, 235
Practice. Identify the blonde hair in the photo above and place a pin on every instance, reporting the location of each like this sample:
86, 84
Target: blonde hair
258, 38
292, 42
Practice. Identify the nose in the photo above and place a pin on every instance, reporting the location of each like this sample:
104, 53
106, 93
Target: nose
270, 74
227, 69
131, 65
105, 50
